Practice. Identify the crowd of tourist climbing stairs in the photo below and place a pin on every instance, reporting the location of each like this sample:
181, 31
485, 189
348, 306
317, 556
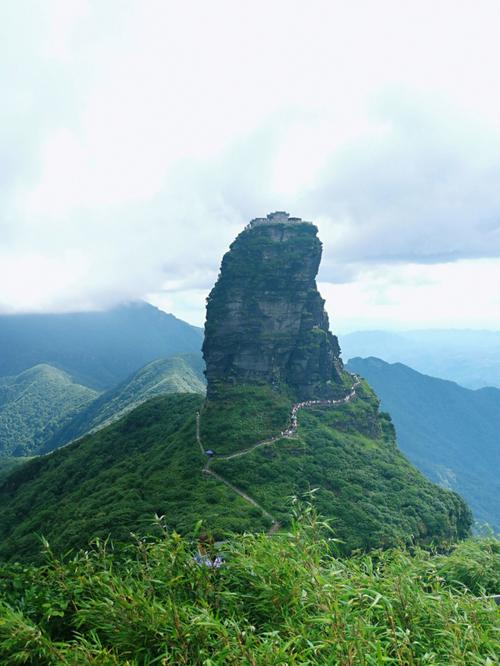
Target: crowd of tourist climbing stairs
284, 434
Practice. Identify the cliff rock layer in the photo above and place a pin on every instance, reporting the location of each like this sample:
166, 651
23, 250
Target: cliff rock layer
266, 320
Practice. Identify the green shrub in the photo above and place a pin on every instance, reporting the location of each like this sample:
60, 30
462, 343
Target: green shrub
286, 599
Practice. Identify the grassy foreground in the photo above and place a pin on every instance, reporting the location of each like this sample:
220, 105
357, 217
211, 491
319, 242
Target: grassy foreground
280, 600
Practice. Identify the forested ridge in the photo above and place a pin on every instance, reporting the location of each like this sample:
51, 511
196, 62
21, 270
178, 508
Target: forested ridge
449, 432
115, 481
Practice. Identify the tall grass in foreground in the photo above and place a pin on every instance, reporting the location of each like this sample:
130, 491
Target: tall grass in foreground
280, 600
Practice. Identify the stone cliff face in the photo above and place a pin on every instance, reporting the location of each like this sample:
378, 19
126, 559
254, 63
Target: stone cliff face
266, 320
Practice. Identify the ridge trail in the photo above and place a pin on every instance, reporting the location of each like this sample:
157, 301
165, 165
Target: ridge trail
285, 434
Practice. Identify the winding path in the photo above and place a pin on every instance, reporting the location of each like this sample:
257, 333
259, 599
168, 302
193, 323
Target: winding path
288, 433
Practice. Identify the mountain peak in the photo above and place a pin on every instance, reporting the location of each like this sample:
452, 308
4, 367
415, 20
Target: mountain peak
278, 217
266, 321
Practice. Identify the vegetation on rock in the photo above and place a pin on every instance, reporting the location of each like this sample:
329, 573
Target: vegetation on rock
266, 321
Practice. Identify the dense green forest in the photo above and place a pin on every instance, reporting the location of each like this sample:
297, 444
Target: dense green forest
35, 404
149, 462
177, 374
8, 463
374, 495
449, 432
286, 599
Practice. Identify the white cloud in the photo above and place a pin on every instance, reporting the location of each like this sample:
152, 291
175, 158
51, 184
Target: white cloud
422, 189
138, 138
463, 294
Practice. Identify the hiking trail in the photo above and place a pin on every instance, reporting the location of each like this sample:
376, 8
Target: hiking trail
288, 433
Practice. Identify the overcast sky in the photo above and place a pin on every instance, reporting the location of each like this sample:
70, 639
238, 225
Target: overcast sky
138, 137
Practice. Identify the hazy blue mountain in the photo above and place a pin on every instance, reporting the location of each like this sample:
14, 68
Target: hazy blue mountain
98, 349
177, 374
451, 433
36, 403
470, 358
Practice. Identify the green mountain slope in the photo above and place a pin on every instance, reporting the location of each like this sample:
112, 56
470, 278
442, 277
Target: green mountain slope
451, 433
282, 417
34, 404
178, 374
8, 463
98, 349
115, 480
348, 453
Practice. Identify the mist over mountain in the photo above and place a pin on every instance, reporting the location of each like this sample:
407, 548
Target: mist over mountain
449, 432
43, 408
470, 358
53, 366
98, 349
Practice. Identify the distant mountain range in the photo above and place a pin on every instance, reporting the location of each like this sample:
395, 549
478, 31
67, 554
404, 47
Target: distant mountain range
450, 433
177, 374
54, 368
98, 349
470, 358
42, 408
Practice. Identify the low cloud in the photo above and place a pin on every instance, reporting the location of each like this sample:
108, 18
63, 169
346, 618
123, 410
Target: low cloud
421, 187
138, 140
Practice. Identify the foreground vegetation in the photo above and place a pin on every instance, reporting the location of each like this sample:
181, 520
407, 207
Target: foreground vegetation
285, 599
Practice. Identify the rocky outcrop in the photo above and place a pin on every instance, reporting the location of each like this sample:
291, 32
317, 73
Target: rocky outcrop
266, 321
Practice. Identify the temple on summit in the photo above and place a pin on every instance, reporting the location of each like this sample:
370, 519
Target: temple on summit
278, 217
